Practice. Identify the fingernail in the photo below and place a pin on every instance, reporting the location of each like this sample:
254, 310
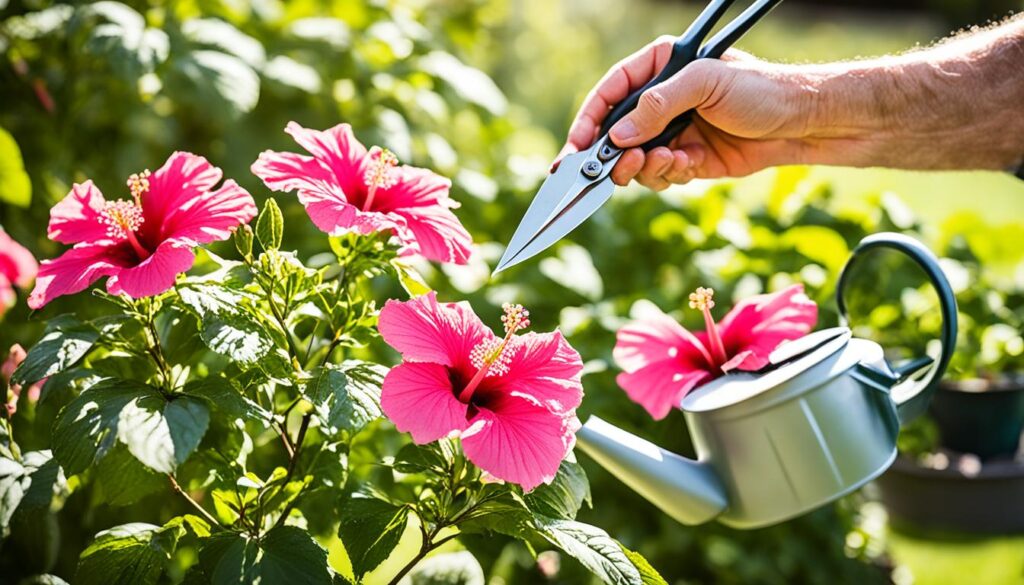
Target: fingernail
624, 130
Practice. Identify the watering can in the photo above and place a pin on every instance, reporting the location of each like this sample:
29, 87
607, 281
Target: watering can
818, 422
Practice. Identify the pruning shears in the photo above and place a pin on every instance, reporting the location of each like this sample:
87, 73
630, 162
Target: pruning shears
582, 182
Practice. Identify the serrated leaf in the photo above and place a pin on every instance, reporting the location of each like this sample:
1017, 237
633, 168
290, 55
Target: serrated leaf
345, 397
286, 554
221, 395
370, 529
270, 226
564, 496
121, 479
225, 326
86, 428
161, 433
15, 185
130, 554
648, 574
592, 547
65, 341
28, 484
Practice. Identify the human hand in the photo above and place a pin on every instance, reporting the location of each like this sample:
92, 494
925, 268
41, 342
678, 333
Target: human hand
748, 117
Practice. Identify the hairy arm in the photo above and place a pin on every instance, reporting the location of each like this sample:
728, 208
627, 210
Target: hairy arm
956, 105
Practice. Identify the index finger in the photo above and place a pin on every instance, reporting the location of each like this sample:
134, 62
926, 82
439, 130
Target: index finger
626, 76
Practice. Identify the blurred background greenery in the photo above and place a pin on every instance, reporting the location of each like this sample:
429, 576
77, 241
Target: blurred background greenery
483, 91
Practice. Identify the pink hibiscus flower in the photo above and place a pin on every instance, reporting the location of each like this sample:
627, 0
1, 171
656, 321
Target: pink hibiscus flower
14, 358
511, 399
17, 268
662, 362
144, 243
346, 188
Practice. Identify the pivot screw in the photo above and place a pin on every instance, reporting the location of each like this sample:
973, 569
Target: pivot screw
592, 168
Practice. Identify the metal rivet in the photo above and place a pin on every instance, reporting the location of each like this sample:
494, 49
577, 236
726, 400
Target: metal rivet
607, 151
592, 168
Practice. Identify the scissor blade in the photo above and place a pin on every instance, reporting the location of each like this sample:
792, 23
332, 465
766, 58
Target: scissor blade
584, 205
545, 202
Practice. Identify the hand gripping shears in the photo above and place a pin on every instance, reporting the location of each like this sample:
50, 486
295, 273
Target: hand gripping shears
582, 182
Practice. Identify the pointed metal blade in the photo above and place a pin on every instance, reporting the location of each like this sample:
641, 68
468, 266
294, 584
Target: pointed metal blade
571, 215
545, 202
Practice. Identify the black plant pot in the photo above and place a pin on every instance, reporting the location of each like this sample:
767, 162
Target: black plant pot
982, 417
988, 498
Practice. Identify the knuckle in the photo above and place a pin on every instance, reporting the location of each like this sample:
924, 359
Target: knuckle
654, 102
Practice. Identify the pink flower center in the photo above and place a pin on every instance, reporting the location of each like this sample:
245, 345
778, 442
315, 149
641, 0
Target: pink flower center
703, 300
489, 356
123, 218
380, 175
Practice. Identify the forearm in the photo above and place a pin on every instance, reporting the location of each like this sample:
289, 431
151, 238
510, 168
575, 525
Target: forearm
958, 105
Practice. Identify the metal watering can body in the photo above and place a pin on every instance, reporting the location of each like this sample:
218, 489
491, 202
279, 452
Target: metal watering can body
816, 424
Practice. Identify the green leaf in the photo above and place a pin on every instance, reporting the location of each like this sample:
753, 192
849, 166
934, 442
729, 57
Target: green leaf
226, 327
65, 341
564, 496
221, 78
270, 226
506, 515
222, 395
225, 37
411, 280
592, 547
648, 574
286, 554
433, 457
28, 484
161, 433
122, 479
130, 48
345, 397
15, 186
130, 554
469, 83
370, 529
86, 428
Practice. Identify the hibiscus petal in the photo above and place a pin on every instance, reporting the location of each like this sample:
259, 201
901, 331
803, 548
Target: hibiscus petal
760, 323
77, 217
211, 216
16, 263
436, 234
319, 190
419, 399
155, 274
662, 362
517, 439
338, 149
183, 178
75, 270
7, 296
423, 330
545, 366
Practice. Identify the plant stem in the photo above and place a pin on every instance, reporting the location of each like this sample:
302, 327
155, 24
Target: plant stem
202, 511
426, 546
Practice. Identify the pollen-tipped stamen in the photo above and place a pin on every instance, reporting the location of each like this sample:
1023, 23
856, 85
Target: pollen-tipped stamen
703, 300
489, 356
138, 183
380, 175
122, 218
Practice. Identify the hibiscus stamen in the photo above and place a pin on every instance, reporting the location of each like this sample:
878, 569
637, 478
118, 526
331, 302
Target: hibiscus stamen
122, 219
138, 183
489, 356
703, 300
380, 175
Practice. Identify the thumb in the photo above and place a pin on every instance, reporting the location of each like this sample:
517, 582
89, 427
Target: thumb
686, 90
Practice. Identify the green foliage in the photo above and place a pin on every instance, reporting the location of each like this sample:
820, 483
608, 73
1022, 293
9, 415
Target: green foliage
370, 528
270, 226
15, 185
127, 554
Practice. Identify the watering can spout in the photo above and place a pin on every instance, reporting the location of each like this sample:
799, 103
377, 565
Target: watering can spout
686, 490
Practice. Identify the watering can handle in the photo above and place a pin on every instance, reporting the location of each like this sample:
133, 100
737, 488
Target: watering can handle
913, 396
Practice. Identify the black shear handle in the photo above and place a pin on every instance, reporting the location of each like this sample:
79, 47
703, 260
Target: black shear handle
685, 50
